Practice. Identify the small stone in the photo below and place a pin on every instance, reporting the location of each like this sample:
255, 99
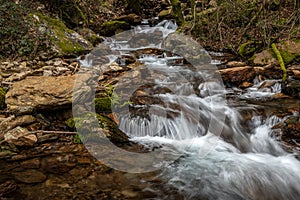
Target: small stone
61, 69
20, 136
246, 85
47, 73
235, 64
296, 73
23, 65
57, 63
30, 176
129, 193
84, 160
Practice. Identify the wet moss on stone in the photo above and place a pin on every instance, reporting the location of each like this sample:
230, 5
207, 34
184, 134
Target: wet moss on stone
2, 98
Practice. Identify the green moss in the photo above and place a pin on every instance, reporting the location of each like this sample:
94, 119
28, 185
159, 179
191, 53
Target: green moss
280, 60
242, 49
103, 104
110, 28
85, 124
59, 33
2, 98
287, 57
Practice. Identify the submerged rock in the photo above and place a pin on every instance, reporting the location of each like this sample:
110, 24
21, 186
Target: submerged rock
39, 93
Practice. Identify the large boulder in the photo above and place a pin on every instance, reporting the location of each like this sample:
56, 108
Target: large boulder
64, 41
289, 50
39, 93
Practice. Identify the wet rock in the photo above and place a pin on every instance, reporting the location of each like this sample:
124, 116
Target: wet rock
131, 19
59, 164
291, 132
90, 36
35, 93
20, 136
30, 176
111, 28
245, 85
292, 88
238, 75
165, 14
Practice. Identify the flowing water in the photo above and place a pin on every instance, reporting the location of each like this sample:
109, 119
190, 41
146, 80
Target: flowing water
222, 155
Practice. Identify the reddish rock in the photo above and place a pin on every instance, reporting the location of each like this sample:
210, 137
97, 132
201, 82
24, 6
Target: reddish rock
238, 75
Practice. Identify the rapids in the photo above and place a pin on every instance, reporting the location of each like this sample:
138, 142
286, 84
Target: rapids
220, 157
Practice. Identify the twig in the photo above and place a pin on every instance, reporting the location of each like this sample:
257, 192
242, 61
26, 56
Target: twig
53, 132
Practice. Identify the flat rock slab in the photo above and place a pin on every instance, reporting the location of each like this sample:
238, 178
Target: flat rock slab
39, 93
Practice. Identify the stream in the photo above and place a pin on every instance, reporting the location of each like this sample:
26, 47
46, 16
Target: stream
185, 111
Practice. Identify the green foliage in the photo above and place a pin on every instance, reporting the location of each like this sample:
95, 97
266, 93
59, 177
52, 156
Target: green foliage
19, 37
109, 100
234, 23
2, 98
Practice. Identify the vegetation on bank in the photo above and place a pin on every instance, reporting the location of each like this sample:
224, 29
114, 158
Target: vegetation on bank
242, 27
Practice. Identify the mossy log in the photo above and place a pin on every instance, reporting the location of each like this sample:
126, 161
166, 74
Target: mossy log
281, 62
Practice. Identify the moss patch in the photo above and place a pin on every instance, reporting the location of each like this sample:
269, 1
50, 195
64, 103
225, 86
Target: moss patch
86, 123
2, 98
103, 104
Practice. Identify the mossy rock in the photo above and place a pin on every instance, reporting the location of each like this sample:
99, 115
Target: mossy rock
111, 28
2, 98
90, 36
102, 104
108, 127
290, 51
66, 41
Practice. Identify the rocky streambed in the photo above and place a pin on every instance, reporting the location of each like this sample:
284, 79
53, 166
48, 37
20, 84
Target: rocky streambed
42, 156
